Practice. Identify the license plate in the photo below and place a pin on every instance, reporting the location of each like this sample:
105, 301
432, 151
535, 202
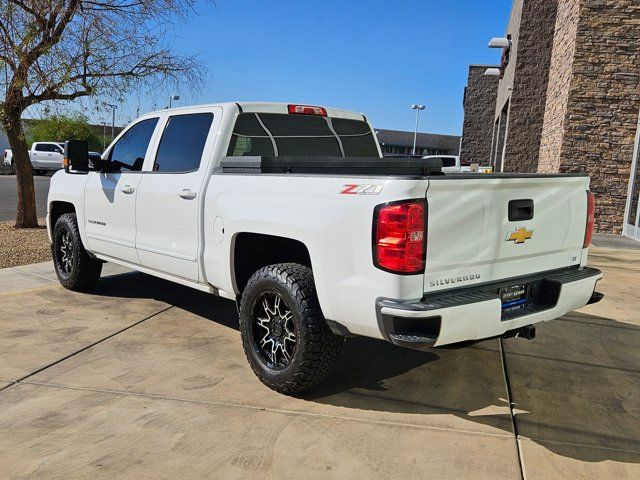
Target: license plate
513, 297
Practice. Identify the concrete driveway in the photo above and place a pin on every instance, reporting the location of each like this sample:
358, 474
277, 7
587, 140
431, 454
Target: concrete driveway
147, 379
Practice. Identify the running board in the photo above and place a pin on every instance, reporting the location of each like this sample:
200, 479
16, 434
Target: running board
166, 276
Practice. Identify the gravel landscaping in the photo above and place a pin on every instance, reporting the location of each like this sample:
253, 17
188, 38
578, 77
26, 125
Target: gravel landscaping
22, 246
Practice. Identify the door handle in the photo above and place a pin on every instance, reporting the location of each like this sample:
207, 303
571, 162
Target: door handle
127, 189
187, 194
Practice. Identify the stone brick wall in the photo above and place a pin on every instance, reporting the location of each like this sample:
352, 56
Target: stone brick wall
604, 100
479, 105
506, 82
529, 90
560, 74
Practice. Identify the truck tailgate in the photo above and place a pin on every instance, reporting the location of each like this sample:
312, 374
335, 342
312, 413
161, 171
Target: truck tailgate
470, 239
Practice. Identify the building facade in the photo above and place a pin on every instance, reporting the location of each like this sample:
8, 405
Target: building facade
569, 100
479, 102
522, 90
397, 142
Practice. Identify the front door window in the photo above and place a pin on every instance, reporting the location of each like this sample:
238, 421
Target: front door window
130, 149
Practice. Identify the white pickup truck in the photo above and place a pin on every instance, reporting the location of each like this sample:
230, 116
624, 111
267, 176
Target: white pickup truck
291, 211
44, 156
452, 164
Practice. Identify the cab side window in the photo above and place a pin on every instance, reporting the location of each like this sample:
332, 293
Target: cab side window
129, 151
182, 143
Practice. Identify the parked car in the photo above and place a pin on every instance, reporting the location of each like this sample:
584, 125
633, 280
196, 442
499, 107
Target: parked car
44, 156
452, 164
291, 211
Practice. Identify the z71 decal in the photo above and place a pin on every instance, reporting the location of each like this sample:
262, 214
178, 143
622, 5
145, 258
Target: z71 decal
361, 189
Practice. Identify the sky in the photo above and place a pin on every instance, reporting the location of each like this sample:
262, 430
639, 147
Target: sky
376, 57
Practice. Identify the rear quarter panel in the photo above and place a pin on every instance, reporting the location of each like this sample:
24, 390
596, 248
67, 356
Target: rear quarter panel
336, 229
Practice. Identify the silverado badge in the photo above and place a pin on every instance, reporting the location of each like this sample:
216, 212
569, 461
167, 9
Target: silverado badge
520, 235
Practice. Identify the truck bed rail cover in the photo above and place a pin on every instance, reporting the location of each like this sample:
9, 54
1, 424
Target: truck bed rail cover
332, 165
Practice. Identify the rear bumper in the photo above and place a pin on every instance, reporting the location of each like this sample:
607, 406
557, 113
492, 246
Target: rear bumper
476, 313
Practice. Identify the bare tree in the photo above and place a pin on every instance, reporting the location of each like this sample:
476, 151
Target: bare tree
62, 50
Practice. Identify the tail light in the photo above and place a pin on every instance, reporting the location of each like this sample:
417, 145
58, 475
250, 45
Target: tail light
307, 110
399, 236
591, 218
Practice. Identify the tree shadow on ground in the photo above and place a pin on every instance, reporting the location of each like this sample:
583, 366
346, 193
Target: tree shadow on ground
575, 388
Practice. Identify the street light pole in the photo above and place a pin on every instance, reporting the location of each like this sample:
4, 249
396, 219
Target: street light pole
417, 108
104, 135
113, 120
173, 97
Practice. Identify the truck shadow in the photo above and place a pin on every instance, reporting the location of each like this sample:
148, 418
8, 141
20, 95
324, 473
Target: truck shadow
575, 389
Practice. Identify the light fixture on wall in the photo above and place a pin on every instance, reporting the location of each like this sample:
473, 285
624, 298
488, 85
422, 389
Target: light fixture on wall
492, 72
500, 42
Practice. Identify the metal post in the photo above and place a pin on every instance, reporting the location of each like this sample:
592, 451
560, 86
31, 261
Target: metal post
415, 132
417, 108
113, 120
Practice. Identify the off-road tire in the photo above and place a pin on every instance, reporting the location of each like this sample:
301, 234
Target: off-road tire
317, 348
84, 272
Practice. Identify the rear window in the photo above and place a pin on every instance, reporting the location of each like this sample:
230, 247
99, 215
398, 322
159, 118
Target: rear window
47, 147
447, 161
270, 134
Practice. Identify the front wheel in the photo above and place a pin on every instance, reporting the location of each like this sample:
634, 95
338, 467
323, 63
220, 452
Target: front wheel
284, 335
75, 269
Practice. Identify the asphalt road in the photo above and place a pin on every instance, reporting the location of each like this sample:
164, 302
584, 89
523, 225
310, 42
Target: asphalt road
8, 196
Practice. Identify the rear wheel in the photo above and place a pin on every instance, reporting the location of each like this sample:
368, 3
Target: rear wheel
75, 269
285, 337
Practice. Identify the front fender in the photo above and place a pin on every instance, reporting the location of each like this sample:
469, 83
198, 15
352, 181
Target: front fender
68, 188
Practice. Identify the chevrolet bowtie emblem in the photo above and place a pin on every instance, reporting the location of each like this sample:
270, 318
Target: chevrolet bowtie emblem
520, 235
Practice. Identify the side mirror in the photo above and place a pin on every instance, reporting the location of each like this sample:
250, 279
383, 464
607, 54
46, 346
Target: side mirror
96, 163
76, 156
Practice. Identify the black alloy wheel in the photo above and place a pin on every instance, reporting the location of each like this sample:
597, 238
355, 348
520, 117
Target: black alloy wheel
285, 337
75, 268
64, 252
273, 330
